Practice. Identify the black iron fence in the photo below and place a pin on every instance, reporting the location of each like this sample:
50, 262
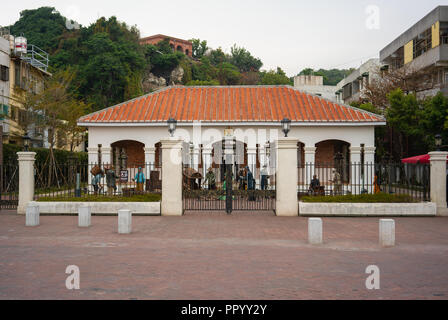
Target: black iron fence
9, 185
212, 191
365, 178
83, 179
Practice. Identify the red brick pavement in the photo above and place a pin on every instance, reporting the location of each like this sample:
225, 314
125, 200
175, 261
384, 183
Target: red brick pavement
214, 256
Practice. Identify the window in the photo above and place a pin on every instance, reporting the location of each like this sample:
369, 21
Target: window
422, 43
4, 73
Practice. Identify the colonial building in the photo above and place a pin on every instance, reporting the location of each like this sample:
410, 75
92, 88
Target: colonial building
250, 115
176, 44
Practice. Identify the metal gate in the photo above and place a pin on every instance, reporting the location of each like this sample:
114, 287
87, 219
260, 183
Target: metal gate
230, 195
9, 185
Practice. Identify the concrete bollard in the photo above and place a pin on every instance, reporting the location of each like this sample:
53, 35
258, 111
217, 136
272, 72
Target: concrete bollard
387, 232
124, 221
315, 230
32, 214
84, 217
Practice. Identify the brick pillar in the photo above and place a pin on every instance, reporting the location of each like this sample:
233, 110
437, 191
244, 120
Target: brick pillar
172, 177
438, 181
26, 180
287, 178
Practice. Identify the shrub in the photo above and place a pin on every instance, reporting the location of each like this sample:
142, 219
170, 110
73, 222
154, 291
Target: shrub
61, 156
149, 197
362, 198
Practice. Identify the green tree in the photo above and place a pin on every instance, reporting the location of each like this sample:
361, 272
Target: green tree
218, 56
243, 59
199, 48
275, 77
228, 74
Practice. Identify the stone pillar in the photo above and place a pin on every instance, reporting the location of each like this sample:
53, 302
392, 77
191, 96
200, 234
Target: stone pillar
315, 231
310, 159
84, 216
26, 179
124, 221
369, 168
355, 174
32, 214
387, 232
438, 181
172, 177
287, 177
93, 159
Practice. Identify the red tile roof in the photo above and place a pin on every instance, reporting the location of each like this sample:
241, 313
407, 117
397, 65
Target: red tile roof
229, 104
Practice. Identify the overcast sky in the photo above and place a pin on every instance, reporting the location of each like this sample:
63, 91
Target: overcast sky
292, 34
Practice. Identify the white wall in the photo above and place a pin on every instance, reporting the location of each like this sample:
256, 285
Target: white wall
309, 135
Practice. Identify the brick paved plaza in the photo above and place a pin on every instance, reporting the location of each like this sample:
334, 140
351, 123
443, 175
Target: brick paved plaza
214, 256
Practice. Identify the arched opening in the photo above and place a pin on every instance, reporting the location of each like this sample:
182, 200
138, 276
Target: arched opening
240, 159
330, 155
130, 151
172, 46
187, 52
180, 49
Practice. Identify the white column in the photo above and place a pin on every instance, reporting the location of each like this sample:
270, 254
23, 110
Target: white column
26, 180
252, 161
172, 177
287, 177
106, 155
207, 160
196, 158
355, 178
310, 159
150, 159
93, 159
438, 181
369, 168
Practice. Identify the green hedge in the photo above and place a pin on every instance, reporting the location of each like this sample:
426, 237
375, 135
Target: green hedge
149, 197
61, 156
362, 198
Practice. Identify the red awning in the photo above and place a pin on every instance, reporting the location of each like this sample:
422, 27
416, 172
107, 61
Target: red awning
418, 159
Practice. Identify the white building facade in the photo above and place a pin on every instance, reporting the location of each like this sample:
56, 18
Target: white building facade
250, 115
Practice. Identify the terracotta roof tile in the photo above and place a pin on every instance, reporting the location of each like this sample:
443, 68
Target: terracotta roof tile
227, 103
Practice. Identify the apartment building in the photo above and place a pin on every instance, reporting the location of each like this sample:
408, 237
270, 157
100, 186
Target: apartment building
352, 88
424, 46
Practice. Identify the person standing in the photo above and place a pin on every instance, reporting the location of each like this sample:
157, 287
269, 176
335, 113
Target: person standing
210, 179
337, 181
264, 177
111, 180
96, 182
140, 180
